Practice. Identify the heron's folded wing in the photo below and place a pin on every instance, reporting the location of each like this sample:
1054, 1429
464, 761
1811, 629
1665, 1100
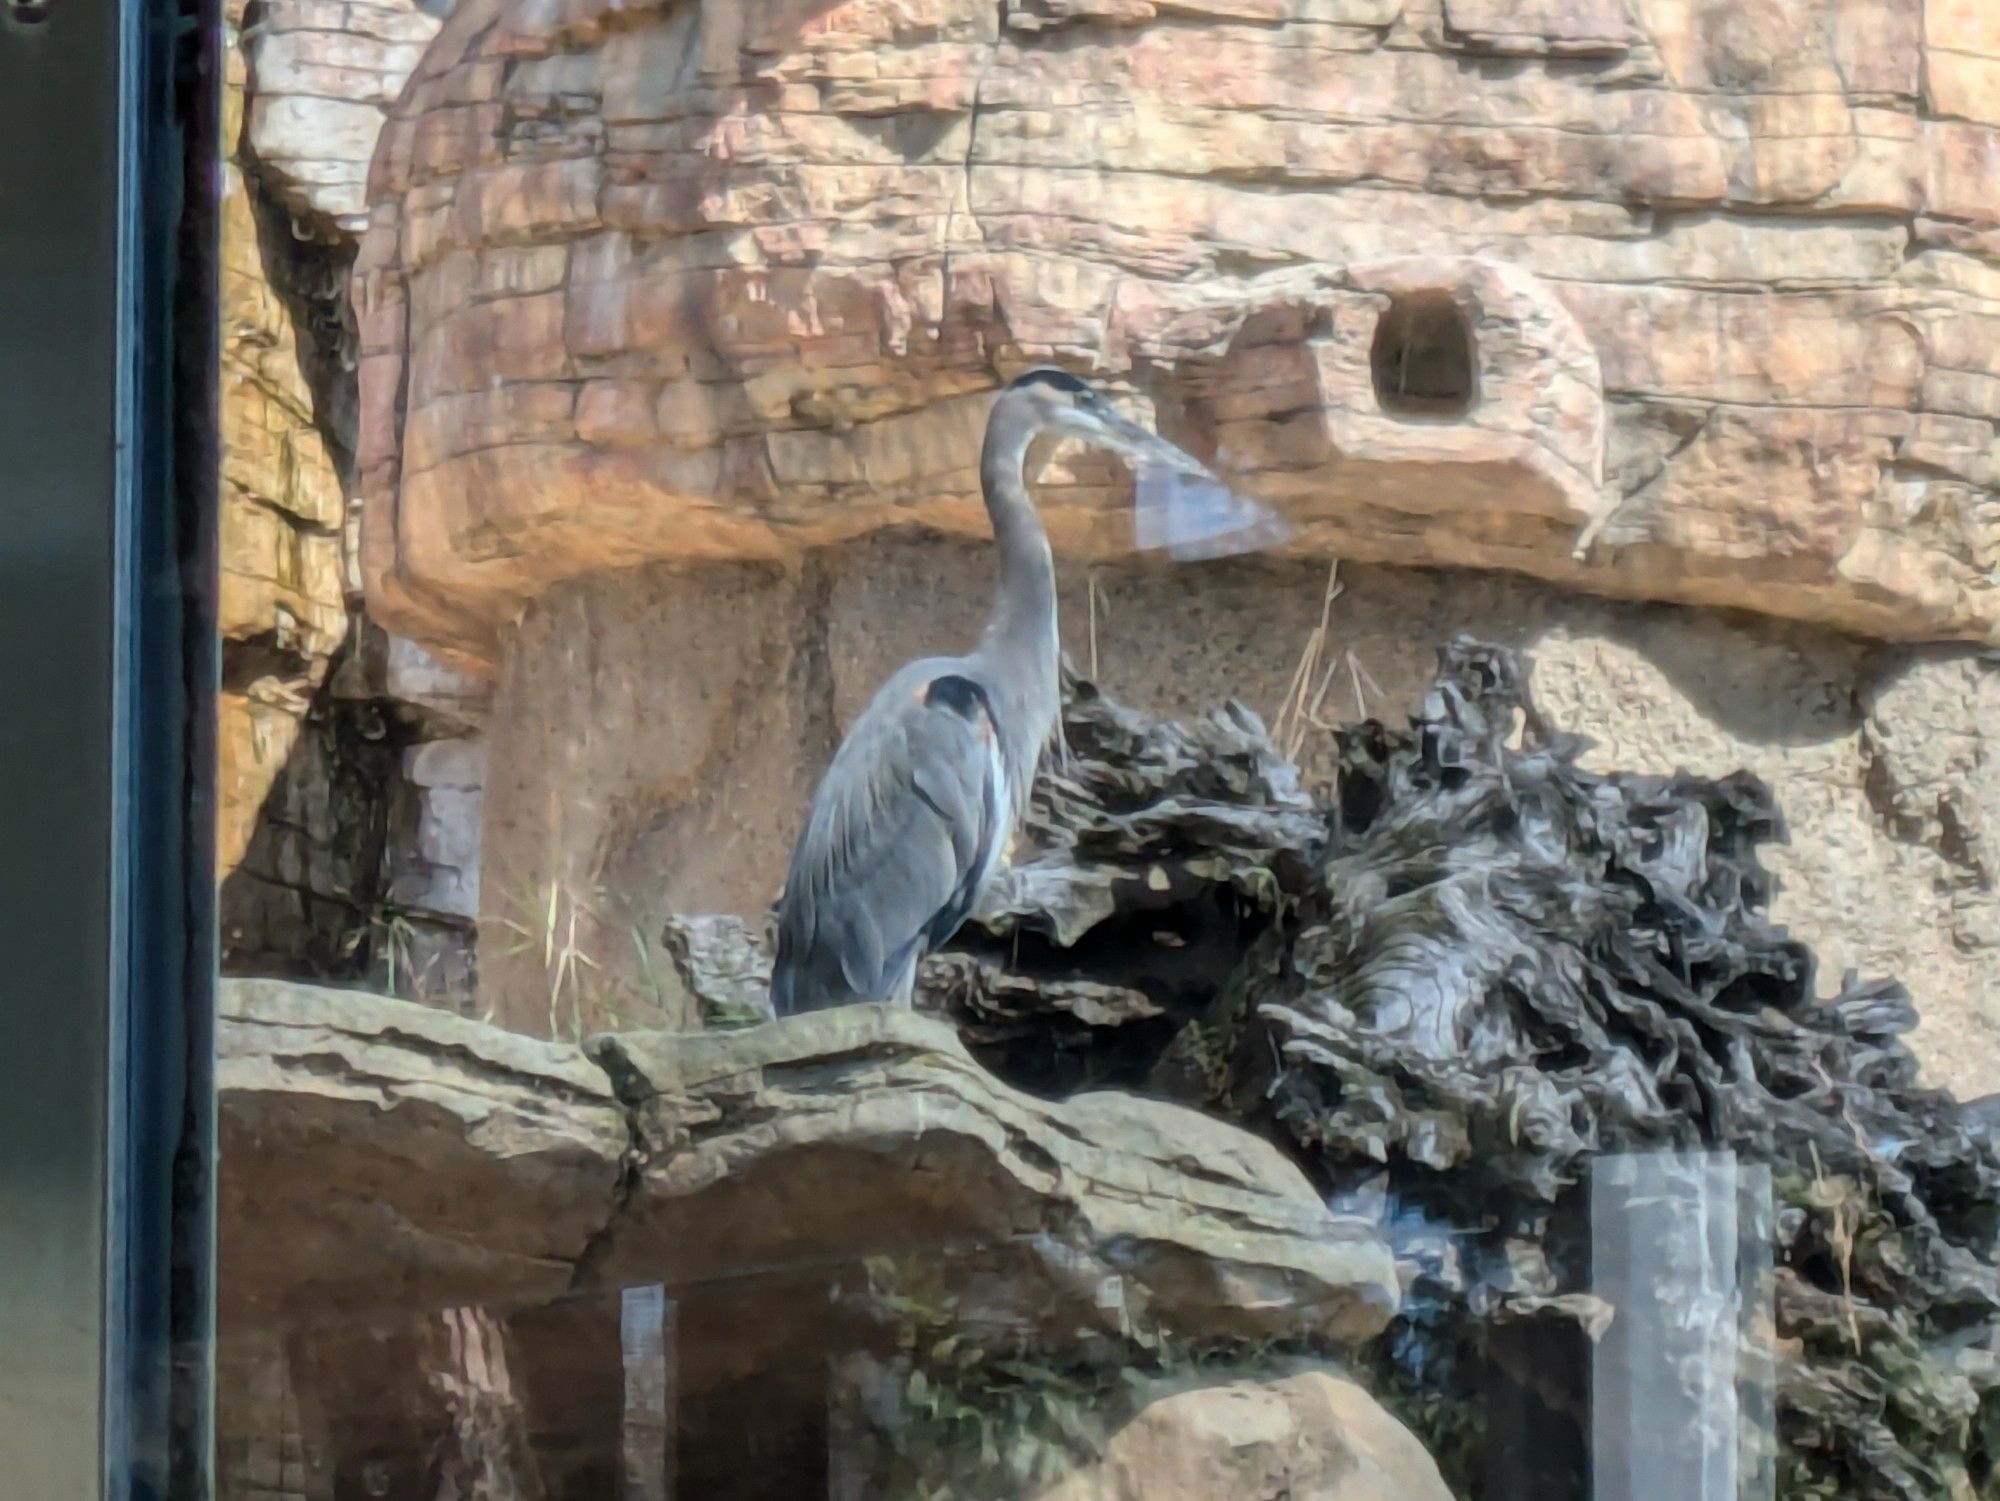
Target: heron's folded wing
901, 829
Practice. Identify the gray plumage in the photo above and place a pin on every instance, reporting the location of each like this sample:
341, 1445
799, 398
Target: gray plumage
916, 809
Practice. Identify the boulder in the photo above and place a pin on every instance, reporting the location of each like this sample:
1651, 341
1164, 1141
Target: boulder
380, 1156
1315, 1436
431, 1230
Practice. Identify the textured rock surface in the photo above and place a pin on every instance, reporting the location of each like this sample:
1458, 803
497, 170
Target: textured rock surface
323, 74
448, 777
336, 865
280, 604
1711, 286
1311, 1437
865, 1132
379, 1155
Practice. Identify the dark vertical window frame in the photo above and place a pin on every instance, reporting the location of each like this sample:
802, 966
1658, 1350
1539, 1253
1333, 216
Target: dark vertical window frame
108, 334
168, 680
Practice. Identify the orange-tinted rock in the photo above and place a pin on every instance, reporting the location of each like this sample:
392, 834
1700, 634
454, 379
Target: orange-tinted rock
280, 594
732, 283
727, 281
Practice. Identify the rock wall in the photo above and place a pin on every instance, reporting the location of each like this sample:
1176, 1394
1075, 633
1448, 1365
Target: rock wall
1671, 301
335, 852
281, 603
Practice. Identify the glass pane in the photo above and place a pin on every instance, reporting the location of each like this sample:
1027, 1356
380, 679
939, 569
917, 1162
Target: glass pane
1086, 749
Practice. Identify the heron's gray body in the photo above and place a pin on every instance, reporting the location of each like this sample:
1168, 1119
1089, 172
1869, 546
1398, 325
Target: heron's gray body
913, 818
917, 809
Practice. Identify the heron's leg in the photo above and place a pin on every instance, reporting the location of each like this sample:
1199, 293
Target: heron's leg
904, 996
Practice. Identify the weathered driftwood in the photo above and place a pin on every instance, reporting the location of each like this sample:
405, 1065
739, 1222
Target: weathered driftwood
1463, 971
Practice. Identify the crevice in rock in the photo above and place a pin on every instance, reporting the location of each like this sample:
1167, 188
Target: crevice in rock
310, 271
583, 1272
250, 660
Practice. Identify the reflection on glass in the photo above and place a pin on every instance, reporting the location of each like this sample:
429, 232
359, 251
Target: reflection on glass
1192, 517
646, 1337
1681, 1375
1387, 1049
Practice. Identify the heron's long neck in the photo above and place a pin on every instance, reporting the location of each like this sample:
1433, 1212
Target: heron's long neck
1023, 624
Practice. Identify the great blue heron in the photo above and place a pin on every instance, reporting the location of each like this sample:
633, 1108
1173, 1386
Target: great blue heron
924, 793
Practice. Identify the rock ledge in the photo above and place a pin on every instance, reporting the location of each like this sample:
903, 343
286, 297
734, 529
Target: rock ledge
382, 1155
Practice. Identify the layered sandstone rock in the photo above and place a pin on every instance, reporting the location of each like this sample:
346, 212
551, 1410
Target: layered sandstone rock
1708, 290
308, 87
323, 74
342, 852
380, 1155
280, 604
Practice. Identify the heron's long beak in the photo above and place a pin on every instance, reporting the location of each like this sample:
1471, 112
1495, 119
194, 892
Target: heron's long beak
1143, 448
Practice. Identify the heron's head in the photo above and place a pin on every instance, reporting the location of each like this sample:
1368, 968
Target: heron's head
1074, 408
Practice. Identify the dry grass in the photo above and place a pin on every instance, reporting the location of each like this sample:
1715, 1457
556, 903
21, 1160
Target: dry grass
1298, 711
560, 927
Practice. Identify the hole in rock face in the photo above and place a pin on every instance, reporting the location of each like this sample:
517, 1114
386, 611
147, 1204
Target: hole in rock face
28, 13
1423, 360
